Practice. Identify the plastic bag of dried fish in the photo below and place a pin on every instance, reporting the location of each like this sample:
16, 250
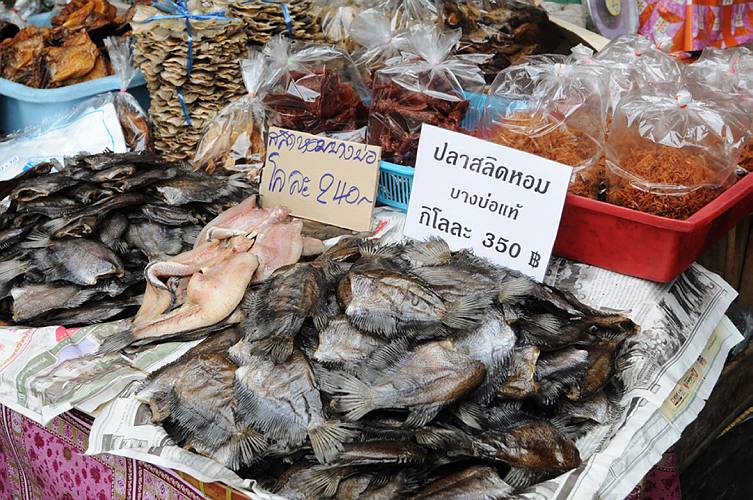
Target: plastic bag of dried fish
313, 88
379, 40
235, 138
336, 17
555, 107
133, 119
405, 369
426, 85
504, 31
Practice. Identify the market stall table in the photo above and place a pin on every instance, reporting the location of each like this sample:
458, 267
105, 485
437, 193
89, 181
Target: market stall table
49, 462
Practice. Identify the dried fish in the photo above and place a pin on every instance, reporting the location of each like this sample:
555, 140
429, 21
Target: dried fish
424, 380
283, 402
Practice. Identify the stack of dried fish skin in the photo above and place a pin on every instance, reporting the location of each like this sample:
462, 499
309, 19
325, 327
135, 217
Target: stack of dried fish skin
263, 20
504, 30
74, 244
214, 80
199, 290
403, 370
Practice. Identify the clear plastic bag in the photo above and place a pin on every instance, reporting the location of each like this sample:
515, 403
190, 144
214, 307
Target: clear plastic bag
504, 30
313, 88
234, 140
336, 18
93, 126
635, 63
554, 107
379, 41
133, 119
425, 85
405, 14
669, 154
727, 74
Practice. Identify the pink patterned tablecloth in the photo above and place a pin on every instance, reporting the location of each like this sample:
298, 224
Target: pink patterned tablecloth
48, 463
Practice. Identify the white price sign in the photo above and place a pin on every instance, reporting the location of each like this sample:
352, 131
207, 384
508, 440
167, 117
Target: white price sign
502, 203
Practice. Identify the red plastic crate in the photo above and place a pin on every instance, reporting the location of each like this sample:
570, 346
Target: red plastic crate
642, 245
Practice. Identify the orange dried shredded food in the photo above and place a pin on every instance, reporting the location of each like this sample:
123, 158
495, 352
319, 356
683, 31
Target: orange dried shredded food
746, 156
562, 144
668, 166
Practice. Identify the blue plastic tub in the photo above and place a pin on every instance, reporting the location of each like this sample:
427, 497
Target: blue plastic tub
43, 20
395, 181
22, 106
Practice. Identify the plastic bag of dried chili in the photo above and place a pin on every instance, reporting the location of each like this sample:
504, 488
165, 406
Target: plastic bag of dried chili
726, 74
312, 88
554, 107
234, 140
669, 154
424, 85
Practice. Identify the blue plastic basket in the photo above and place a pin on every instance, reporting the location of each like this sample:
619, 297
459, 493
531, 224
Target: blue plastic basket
22, 106
395, 181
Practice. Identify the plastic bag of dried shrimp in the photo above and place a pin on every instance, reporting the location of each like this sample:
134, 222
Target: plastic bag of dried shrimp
669, 154
133, 120
427, 84
312, 88
234, 140
554, 107
379, 41
728, 74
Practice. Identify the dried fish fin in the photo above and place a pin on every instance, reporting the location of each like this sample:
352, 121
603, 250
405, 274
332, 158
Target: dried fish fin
327, 440
466, 312
243, 448
257, 412
520, 478
322, 481
514, 288
422, 415
279, 348
353, 397
372, 248
433, 252
437, 438
116, 341
470, 413
9, 269
36, 239
387, 355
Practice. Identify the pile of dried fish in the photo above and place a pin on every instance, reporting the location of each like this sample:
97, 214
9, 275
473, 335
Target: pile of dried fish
73, 244
265, 19
204, 86
395, 371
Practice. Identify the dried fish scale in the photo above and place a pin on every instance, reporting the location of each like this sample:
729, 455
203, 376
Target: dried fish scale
215, 78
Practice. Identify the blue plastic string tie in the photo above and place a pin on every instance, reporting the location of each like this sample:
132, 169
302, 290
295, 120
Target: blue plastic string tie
179, 10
